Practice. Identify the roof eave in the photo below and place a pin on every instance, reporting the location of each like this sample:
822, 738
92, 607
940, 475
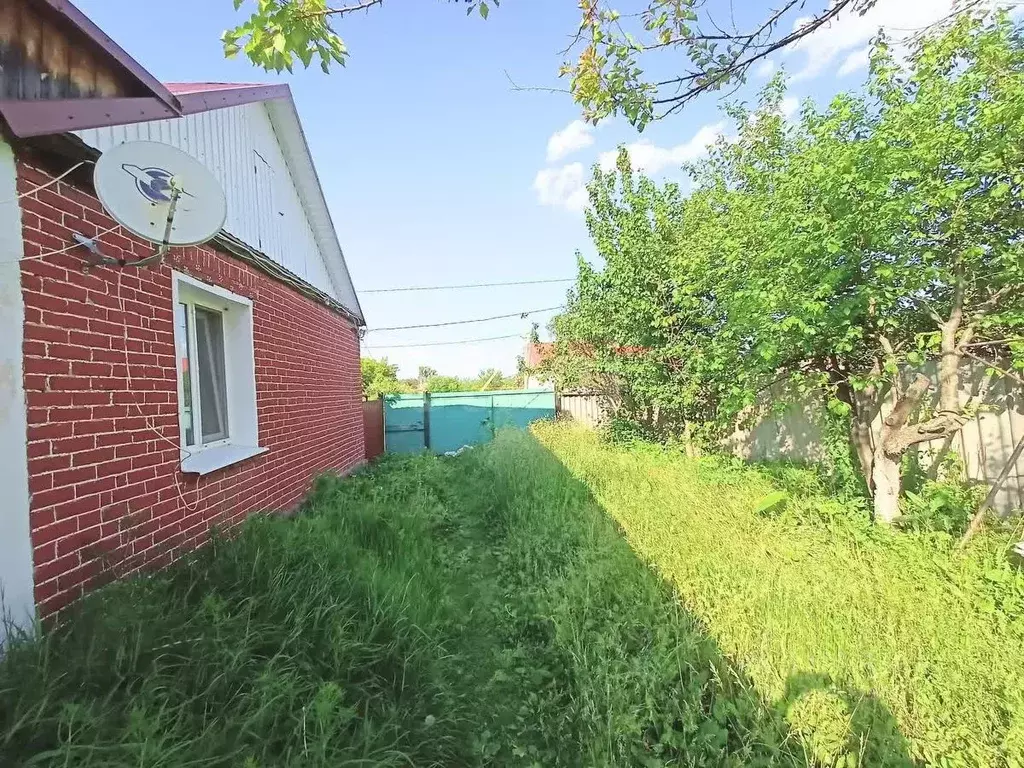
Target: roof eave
40, 118
220, 98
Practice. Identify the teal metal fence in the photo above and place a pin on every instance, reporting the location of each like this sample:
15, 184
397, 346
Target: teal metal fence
446, 421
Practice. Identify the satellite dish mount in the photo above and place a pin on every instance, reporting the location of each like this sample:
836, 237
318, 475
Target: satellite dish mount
158, 193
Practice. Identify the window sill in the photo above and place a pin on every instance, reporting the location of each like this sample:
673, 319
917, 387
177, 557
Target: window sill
210, 460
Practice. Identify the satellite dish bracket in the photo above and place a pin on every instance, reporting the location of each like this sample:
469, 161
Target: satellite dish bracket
100, 260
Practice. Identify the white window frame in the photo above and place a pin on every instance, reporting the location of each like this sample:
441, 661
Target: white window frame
236, 314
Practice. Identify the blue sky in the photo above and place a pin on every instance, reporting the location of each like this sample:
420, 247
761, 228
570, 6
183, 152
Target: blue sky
437, 172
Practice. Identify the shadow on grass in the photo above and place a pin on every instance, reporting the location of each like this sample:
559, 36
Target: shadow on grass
477, 610
816, 723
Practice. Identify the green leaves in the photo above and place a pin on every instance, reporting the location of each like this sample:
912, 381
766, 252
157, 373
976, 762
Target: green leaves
280, 31
823, 252
771, 503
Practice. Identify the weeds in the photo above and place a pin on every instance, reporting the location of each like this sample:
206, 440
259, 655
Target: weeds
878, 647
480, 610
495, 609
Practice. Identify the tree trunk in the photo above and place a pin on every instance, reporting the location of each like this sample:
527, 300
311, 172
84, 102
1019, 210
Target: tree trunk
885, 478
896, 437
860, 437
861, 415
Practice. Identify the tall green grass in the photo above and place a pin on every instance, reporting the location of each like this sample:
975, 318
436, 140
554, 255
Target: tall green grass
480, 610
552, 603
876, 647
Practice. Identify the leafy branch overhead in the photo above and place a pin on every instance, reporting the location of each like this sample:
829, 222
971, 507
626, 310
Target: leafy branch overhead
611, 55
280, 32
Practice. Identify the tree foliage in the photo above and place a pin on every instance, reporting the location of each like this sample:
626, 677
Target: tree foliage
611, 59
845, 252
380, 378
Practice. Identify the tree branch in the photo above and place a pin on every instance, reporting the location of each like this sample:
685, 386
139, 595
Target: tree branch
979, 516
897, 418
363, 6
993, 343
740, 64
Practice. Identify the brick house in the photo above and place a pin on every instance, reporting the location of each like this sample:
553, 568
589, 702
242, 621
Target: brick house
142, 407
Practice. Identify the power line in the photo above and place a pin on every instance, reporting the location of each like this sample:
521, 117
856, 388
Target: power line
446, 343
468, 285
464, 322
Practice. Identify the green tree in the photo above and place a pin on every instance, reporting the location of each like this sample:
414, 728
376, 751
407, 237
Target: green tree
437, 383
844, 252
606, 60
423, 374
492, 379
379, 378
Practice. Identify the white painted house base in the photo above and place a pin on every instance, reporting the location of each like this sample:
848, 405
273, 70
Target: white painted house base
16, 586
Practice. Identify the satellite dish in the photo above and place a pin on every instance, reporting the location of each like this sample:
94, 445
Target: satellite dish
160, 193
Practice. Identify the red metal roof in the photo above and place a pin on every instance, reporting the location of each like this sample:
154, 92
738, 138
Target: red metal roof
202, 97
538, 352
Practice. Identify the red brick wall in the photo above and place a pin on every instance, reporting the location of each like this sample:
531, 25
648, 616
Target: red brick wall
106, 492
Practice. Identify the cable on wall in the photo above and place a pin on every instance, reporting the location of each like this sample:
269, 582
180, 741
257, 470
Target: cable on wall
48, 184
66, 249
152, 427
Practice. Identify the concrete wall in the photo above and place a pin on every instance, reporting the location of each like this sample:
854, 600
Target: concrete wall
985, 443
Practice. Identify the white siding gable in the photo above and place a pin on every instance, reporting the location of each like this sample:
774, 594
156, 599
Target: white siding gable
240, 146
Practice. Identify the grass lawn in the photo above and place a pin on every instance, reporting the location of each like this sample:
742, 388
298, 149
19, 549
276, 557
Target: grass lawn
544, 600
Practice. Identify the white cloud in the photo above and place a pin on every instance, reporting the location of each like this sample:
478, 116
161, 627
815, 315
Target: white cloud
855, 61
562, 187
575, 136
765, 68
650, 158
789, 106
850, 33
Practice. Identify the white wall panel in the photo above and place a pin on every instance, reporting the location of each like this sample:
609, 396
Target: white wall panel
264, 208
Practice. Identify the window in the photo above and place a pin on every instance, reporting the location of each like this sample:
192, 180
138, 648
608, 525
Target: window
216, 376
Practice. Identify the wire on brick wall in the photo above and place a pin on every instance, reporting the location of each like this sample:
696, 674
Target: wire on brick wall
48, 184
524, 315
149, 423
66, 249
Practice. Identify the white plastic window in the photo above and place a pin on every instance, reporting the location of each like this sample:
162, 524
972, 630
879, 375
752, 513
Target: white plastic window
213, 336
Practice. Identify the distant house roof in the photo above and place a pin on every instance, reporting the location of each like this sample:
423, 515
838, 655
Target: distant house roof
539, 351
